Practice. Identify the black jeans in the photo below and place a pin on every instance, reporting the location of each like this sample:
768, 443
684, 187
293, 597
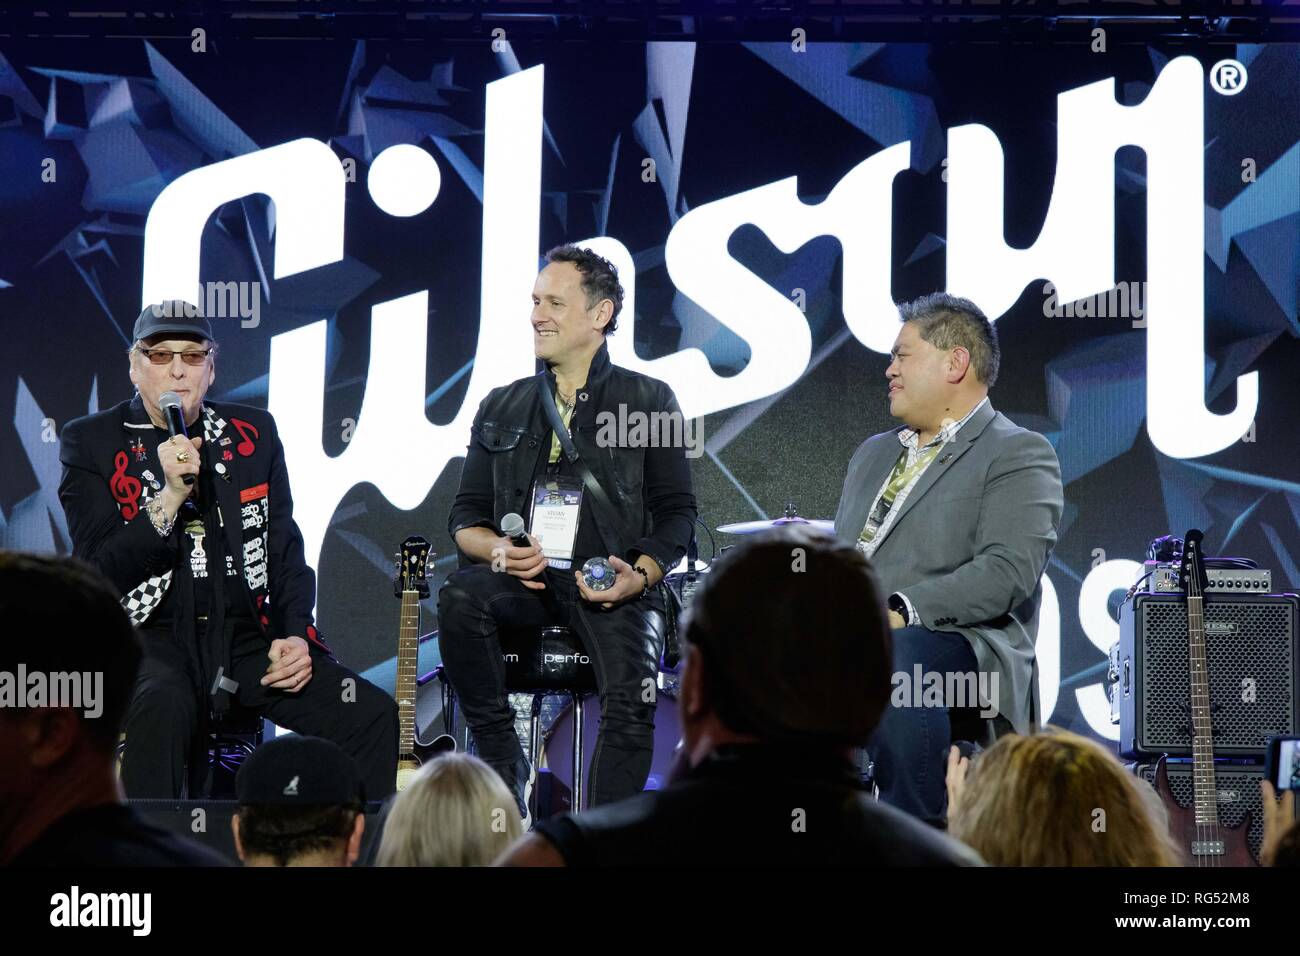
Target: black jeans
164, 715
624, 644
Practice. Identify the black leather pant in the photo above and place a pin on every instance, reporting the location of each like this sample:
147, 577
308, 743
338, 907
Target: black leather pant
624, 644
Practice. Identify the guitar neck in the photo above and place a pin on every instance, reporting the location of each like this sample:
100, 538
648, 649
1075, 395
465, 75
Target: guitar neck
1206, 789
408, 652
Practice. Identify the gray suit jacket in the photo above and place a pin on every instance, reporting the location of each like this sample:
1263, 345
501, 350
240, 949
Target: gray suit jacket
970, 543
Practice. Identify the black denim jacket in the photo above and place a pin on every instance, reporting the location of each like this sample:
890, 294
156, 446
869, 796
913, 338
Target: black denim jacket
650, 486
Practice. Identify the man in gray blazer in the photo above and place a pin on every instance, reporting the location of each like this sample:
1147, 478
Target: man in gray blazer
958, 511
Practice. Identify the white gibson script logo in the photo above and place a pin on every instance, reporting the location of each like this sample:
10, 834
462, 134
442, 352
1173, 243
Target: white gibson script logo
395, 447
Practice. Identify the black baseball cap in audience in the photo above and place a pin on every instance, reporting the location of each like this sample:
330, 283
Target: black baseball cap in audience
172, 317
299, 771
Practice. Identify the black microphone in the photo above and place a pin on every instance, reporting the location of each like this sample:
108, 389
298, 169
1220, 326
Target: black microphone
170, 405
513, 527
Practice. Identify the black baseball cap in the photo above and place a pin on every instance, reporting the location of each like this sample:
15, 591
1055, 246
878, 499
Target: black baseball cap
172, 317
299, 771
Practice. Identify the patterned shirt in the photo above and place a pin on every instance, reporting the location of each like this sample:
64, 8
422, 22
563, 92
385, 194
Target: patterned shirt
910, 440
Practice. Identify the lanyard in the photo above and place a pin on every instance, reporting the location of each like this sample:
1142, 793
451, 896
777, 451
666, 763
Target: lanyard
566, 416
899, 478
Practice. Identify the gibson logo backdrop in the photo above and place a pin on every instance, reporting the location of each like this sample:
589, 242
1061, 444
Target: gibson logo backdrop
364, 224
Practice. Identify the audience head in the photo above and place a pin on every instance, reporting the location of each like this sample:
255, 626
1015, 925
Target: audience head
456, 811
786, 642
1059, 799
300, 804
68, 663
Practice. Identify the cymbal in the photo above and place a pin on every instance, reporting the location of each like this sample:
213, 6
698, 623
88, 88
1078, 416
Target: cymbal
756, 527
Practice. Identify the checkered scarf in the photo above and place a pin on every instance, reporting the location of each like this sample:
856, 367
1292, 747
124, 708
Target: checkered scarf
142, 600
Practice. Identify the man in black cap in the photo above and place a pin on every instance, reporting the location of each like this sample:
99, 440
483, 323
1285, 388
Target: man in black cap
300, 804
197, 534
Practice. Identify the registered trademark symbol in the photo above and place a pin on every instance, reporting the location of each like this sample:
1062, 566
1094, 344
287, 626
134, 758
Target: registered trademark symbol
1228, 77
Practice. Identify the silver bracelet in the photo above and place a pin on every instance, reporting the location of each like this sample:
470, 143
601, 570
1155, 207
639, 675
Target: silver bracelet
160, 524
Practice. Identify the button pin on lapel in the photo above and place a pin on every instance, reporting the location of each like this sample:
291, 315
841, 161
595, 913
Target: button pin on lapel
945, 459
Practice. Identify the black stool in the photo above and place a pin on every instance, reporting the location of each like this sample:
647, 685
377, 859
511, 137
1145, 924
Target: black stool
231, 739
545, 662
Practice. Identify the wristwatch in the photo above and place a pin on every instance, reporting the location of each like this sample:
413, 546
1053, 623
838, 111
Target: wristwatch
899, 606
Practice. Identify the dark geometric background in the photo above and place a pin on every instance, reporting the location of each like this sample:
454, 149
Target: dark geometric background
121, 119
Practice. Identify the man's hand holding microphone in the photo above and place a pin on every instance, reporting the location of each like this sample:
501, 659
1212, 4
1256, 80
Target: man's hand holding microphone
179, 458
515, 552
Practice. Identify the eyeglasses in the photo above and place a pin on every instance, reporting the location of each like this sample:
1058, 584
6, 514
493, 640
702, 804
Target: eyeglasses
164, 356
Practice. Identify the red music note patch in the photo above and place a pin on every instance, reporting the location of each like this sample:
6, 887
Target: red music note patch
125, 489
245, 446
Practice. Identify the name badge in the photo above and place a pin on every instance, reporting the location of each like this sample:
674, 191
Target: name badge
556, 507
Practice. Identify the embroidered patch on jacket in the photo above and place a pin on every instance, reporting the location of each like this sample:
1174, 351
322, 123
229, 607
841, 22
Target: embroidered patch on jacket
255, 513
125, 488
253, 493
246, 446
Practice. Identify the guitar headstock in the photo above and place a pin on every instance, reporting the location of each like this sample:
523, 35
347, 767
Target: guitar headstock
412, 566
1191, 572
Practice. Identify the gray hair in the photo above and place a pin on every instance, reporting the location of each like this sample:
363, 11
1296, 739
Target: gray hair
947, 321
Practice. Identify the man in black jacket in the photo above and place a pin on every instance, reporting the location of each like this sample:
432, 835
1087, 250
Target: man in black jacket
787, 669
59, 799
211, 572
514, 458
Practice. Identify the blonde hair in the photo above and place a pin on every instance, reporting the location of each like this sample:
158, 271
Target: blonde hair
456, 811
1059, 799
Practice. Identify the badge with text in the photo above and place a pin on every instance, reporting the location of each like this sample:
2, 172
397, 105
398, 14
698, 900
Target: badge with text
557, 504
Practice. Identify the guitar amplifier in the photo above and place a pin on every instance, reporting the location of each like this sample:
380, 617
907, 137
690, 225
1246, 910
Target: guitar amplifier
1251, 655
1238, 793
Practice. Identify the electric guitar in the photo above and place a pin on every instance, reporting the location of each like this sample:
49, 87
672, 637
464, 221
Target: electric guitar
411, 585
1204, 840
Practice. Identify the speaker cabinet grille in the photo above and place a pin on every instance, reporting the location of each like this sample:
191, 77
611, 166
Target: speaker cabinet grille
1250, 646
